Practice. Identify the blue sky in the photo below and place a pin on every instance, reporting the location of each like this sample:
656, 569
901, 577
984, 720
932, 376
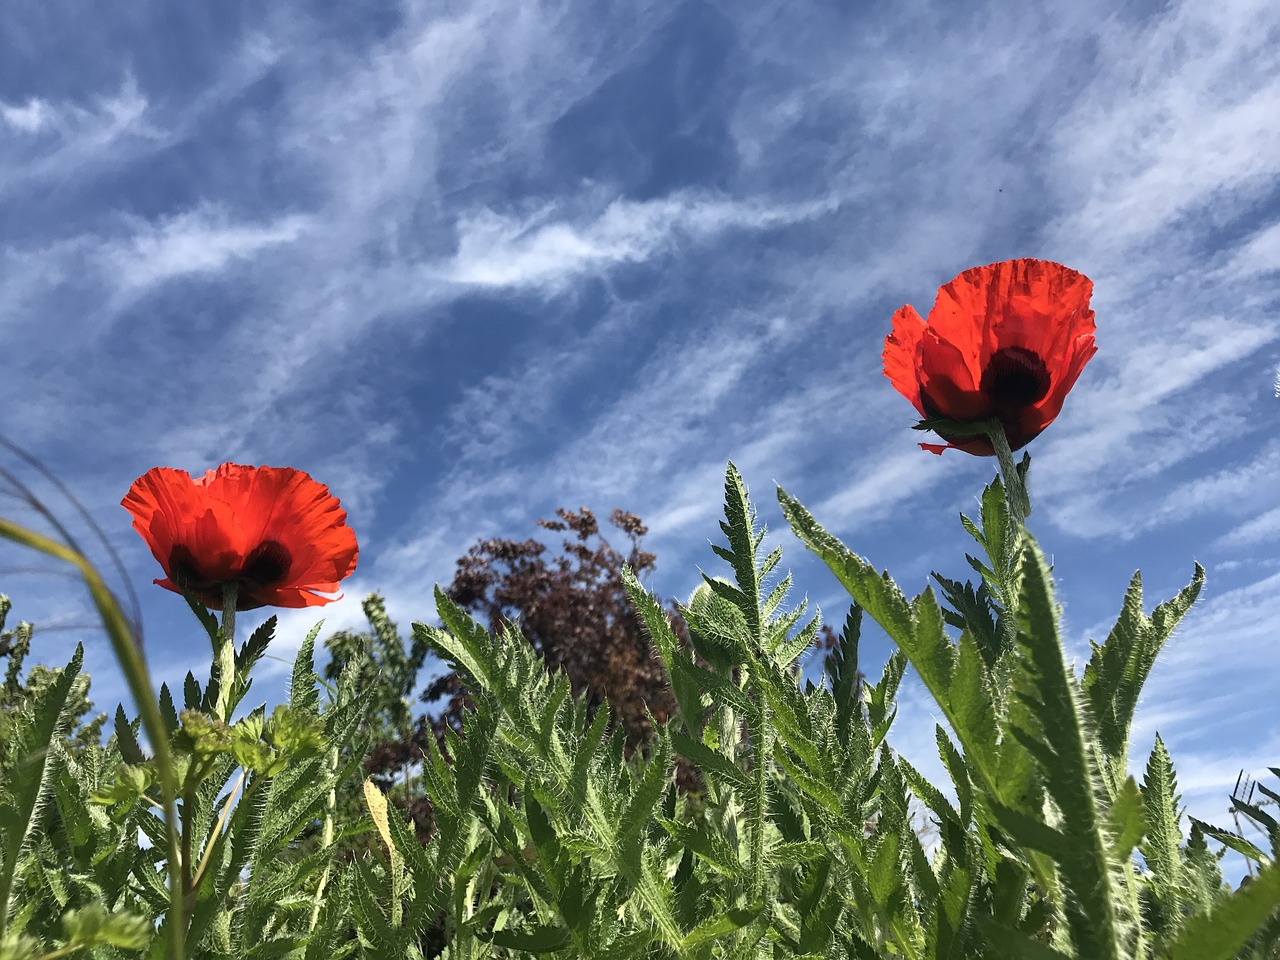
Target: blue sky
466, 262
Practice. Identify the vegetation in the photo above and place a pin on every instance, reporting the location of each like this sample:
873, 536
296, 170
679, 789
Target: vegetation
557, 832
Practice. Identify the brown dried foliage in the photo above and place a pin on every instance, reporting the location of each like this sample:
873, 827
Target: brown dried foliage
573, 608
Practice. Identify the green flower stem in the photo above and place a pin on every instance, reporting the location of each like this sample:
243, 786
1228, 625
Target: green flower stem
761, 749
1019, 505
128, 653
1015, 490
225, 655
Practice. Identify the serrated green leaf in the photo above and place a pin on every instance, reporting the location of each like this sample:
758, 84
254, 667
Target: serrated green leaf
1164, 835
1239, 844
29, 785
716, 927
1050, 693
1117, 670
536, 939
1219, 932
1126, 821
710, 761
94, 925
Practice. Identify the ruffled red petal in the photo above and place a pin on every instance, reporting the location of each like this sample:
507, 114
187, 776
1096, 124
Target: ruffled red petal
1025, 305
947, 385
217, 521
901, 355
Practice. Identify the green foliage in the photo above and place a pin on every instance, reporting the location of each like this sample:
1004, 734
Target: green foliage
1118, 669
250, 793
807, 837
1048, 820
387, 671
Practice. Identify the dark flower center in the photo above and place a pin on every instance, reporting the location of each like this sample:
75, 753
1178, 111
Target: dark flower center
1014, 379
268, 564
183, 569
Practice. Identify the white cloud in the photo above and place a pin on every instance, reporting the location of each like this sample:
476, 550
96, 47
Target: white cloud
884, 480
1182, 115
539, 251
1153, 411
1259, 255
98, 133
1262, 528
30, 117
202, 241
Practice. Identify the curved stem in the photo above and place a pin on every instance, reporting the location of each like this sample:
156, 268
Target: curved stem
219, 832
134, 666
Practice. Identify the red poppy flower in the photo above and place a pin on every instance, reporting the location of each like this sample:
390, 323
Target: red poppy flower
1005, 341
279, 534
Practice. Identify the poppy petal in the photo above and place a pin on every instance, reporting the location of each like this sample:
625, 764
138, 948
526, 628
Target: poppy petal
273, 530
1007, 340
901, 354
947, 387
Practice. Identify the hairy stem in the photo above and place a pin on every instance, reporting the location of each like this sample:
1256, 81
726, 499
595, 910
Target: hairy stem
225, 655
1015, 490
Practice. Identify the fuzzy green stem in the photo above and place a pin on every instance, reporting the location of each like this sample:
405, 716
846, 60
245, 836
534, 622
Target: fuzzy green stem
761, 749
1019, 505
225, 655
219, 831
1015, 490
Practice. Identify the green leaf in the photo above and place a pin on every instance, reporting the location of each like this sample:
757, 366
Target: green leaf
535, 939
1164, 835
207, 618
710, 761
668, 647
127, 738
1236, 842
93, 925
464, 644
1117, 670
729, 922
28, 786
131, 781
1031, 831
303, 693
974, 612
1219, 932
1126, 822
954, 676
846, 681
740, 529
1014, 945
1055, 736
649, 789
878, 595
253, 648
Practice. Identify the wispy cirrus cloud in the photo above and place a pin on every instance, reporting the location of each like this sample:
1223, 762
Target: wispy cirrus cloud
547, 251
55, 140
202, 241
